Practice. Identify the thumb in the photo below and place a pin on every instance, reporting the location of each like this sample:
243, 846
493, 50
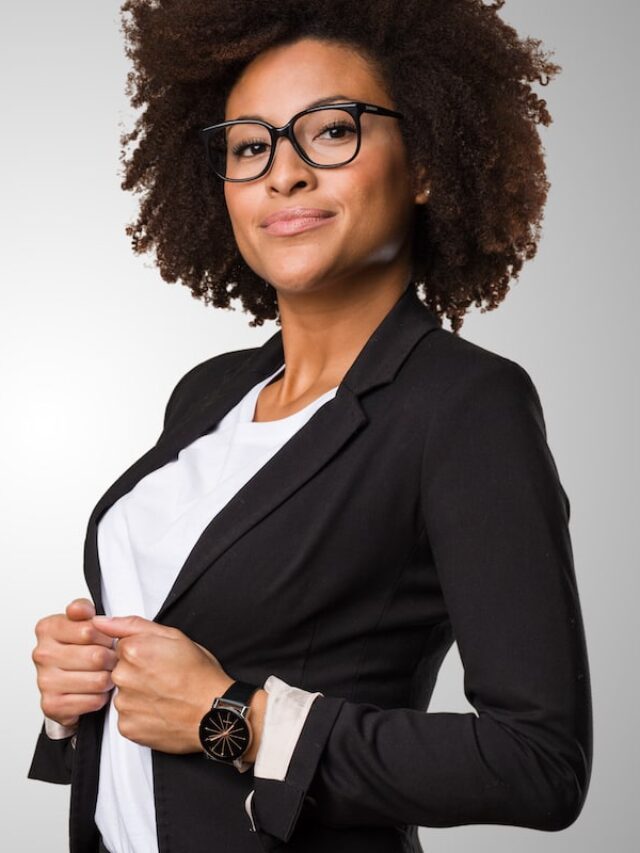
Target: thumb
79, 609
124, 626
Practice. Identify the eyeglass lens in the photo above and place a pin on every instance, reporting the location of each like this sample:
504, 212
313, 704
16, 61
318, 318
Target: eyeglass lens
328, 138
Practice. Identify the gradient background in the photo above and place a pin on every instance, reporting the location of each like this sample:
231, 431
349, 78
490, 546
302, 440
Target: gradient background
92, 341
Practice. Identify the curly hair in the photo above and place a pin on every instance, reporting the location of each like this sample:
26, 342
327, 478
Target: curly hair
461, 76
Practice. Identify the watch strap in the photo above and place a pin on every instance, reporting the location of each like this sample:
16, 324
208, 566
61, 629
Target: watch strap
240, 692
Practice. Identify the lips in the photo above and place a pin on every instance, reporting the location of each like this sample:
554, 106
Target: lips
288, 227
296, 213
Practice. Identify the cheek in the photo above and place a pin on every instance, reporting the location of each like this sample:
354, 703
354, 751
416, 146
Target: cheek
377, 202
381, 177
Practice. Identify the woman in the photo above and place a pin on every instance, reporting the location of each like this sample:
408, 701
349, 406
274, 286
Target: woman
324, 514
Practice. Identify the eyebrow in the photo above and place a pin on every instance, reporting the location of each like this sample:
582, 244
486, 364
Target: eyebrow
328, 99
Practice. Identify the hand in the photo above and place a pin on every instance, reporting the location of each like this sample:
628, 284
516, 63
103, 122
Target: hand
73, 660
164, 681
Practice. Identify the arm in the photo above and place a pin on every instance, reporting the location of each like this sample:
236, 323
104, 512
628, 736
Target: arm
282, 719
497, 520
53, 758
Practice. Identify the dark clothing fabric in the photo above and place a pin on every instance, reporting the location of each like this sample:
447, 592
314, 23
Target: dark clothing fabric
419, 506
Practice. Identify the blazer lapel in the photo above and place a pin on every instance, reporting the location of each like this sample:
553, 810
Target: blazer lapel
299, 459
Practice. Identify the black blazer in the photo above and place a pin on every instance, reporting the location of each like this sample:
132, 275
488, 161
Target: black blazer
419, 506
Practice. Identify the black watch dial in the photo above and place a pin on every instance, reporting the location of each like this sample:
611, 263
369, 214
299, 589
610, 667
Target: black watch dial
224, 734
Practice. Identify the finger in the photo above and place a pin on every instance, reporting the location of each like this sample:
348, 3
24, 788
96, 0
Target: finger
80, 608
73, 657
55, 680
81, 633
125, 626
68, 705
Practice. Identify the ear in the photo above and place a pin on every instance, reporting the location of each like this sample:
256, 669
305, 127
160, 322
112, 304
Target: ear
422, 184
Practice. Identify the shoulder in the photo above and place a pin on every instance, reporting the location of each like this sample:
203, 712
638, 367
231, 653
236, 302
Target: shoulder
202, 377
454, 367
464, 385
485, 434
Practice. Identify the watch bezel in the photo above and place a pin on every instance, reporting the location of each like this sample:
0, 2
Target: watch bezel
213, 718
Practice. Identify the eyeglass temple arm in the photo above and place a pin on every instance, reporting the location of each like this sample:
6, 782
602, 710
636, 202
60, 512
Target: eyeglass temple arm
382, 111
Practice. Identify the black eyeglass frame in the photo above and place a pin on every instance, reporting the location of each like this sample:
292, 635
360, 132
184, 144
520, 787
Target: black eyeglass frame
354, 108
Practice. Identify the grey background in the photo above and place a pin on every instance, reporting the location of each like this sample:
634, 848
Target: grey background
92, 342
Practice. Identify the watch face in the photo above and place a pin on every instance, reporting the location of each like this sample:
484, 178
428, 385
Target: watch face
224, 734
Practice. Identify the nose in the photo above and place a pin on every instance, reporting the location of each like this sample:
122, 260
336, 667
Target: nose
287, 166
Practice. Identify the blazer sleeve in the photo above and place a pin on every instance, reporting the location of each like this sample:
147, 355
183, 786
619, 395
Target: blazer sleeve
497, 518
52, 759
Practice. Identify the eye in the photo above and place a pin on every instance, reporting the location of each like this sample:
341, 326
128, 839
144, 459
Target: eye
338, 125
239, 147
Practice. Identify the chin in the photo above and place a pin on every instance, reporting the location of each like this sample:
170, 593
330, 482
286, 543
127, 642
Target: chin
295, 286
298, 278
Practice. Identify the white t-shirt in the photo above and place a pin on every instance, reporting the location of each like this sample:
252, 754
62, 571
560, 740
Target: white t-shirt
143, 541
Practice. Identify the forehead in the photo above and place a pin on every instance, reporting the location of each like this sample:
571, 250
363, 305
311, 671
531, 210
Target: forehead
287, 78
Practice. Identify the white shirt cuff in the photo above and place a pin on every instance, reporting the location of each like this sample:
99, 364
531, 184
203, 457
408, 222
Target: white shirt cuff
56, 731
285, 714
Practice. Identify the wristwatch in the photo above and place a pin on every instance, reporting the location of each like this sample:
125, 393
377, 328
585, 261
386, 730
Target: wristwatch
225, 732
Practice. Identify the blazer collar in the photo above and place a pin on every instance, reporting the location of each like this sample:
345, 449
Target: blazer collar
299, 459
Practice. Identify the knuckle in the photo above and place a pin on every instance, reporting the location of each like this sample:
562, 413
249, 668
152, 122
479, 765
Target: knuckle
41, 626
101, 700
85, 633
49, 705
125, 726
103, 681
93, 702
98, 658
45, 682
130, 649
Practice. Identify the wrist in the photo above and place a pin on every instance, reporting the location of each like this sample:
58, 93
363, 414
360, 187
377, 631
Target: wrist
257, 709
57, 731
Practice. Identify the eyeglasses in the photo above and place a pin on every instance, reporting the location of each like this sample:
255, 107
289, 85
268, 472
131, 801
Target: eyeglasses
325, 137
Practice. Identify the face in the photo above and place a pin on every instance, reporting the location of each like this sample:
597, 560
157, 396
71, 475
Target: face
372, 199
